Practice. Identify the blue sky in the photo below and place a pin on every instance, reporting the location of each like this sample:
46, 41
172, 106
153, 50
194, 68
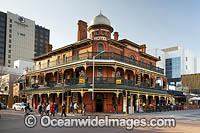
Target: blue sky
157, 23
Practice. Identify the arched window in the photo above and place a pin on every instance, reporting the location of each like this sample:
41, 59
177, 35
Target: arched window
100, 48
131, 59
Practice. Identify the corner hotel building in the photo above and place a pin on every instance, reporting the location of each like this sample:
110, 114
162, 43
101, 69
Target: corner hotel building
125, 75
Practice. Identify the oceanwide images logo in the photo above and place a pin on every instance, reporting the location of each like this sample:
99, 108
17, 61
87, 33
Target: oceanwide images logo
92, 122
30, 121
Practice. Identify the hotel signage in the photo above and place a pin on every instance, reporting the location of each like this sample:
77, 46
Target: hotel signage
100, 38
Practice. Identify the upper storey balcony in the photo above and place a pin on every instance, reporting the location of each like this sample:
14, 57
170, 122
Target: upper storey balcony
107, 57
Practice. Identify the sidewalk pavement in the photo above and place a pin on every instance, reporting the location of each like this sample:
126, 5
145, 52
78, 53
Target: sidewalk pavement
152, 114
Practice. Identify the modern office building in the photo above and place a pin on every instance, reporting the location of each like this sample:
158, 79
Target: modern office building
176, 61
2, 38
21, 39
124, 74
41, 40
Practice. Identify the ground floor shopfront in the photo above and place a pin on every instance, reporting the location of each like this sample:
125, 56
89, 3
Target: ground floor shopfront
105, 100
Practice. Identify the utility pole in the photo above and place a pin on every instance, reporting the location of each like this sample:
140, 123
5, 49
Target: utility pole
93, 79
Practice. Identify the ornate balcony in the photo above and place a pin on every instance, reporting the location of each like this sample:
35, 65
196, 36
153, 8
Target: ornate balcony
99, 82
103, 56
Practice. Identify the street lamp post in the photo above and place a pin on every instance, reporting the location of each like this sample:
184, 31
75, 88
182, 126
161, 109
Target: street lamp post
93, 79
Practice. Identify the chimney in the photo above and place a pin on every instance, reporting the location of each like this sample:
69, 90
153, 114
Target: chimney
116, 35
82, 30
48, 48
143, 48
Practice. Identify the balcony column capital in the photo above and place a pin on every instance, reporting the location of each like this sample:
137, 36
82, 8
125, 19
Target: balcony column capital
138, 96
82, 93
57, 94
115, 68
117, 94
74, 68
85, 66
124, 70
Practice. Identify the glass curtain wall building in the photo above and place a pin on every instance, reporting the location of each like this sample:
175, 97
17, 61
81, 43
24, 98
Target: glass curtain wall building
2, 38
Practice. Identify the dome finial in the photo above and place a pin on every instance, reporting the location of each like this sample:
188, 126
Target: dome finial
100, 12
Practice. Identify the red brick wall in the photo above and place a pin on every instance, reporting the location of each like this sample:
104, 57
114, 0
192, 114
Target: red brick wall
128, 52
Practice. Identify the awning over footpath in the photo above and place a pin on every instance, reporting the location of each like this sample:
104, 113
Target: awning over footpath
194, 99
175, 93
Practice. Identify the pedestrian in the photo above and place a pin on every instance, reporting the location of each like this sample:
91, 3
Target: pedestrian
47, 109
76, 108
52, 109
83, 109
40, 109
63, 110
27, 110
43, 109
115, 108
71, 107
56, 108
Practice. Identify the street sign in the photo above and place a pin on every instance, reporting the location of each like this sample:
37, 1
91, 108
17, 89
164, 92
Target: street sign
90, 89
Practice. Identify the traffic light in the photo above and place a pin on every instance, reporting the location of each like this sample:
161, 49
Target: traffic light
69, 93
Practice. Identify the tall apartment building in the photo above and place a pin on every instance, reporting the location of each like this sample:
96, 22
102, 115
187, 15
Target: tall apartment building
176, 61
21, 39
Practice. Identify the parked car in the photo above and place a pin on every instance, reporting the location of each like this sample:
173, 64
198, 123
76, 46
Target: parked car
20, 106
3, 106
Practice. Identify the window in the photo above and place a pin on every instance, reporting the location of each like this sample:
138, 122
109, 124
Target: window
9, 46
64, 58
103, 32
185, 58
10, 35
10, 20
58, 59
131, 59
48, 62
10, 30
6, 88
97, 32
9, 56
100, 48
186, 67
8, 65
9, 51
39, 65
108, 34
8, 61
10, 25
10, 41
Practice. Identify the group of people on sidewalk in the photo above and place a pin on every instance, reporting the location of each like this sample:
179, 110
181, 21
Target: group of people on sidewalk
52, 109
74, 108
48, 109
